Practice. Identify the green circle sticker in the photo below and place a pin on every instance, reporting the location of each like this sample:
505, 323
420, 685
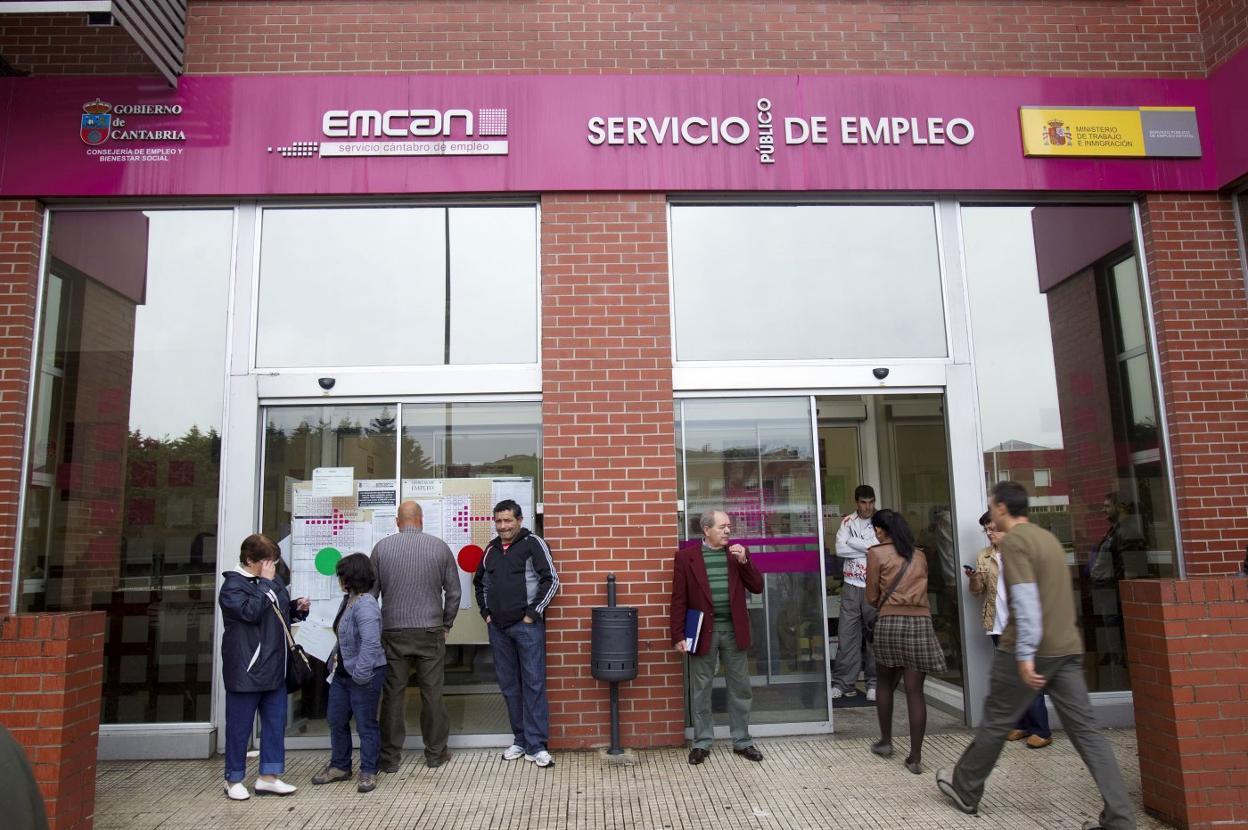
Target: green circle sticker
327, 560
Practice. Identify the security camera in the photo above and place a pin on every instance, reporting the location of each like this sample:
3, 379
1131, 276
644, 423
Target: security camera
328, 383
879, 373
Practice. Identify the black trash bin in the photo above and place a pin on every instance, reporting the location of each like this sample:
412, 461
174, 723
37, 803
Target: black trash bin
613, 644
613, 653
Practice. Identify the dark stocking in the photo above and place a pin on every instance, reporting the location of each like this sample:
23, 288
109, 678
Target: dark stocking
886, 680
916, 709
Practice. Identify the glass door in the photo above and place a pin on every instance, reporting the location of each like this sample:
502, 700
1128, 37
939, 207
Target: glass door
915, 480
456, 460
315, 525
755, 459
785, 469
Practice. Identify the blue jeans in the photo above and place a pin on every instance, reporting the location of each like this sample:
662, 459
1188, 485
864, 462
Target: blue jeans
348, 699
240, 714
520, 663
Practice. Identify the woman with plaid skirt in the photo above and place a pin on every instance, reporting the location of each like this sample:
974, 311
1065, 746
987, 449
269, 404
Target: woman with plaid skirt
905, 642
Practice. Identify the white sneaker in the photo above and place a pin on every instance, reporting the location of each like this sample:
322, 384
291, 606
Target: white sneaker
836, 693
542, 759
871, 695
237, 791
275, 787
513, 753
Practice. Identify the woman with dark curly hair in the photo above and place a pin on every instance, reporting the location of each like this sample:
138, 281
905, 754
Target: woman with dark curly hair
356, 673
905, 642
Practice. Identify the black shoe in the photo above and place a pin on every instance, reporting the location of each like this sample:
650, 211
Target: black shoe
389, 768
697, 755
437, 761
750, 752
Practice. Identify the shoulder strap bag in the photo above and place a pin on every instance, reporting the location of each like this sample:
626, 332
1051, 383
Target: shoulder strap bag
298, 668
869, 628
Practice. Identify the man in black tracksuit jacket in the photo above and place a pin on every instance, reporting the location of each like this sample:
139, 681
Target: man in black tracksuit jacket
515, 583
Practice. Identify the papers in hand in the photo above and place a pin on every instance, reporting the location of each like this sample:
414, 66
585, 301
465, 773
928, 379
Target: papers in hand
318, 641
693, 629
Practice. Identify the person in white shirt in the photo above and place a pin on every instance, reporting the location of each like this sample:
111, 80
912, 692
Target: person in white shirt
852, 540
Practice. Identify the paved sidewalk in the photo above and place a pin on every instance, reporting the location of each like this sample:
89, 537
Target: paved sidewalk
820, 782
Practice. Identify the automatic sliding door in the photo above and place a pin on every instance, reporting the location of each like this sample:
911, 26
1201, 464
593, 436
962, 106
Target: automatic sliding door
754, 458
455, 459
315, 530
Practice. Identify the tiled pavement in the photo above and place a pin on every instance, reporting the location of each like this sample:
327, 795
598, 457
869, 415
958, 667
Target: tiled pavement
807, 782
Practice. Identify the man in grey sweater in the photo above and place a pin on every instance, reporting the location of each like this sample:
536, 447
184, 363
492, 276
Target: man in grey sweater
415, 572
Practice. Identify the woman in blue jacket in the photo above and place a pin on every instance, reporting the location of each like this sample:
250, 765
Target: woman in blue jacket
256, 609
357, 670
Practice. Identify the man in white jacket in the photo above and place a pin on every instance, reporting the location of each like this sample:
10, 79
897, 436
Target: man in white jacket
852, 540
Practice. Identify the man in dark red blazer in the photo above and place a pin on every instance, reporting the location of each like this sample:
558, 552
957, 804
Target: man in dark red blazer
713, 578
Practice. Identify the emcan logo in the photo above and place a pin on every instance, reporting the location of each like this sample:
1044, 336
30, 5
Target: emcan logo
401, 123
97, 119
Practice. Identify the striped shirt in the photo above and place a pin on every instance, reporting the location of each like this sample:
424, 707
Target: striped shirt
414, 570
717, 575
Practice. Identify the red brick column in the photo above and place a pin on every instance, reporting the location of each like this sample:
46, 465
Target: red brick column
51, 668
1197, 286
609, 466
21, 233
1189, 673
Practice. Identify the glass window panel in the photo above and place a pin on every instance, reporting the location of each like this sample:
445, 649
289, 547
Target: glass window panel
121, 506
743, 277
1126, 282
352, 287
754, 458
1052, 301
493, 285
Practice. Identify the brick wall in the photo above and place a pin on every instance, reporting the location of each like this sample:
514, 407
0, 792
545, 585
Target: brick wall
63, 44
1202, 336
50, 675
1189, 672
609, 465
1223, 28
1093, 37
21, 231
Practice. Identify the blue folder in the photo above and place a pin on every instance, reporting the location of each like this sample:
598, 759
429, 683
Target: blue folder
693, 629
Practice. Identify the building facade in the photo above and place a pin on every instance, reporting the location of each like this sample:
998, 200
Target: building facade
624, 262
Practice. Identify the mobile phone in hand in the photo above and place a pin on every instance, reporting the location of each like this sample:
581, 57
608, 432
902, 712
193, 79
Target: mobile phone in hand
969, 569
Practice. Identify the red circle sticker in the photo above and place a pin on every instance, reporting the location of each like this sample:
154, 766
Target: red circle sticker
470, 558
